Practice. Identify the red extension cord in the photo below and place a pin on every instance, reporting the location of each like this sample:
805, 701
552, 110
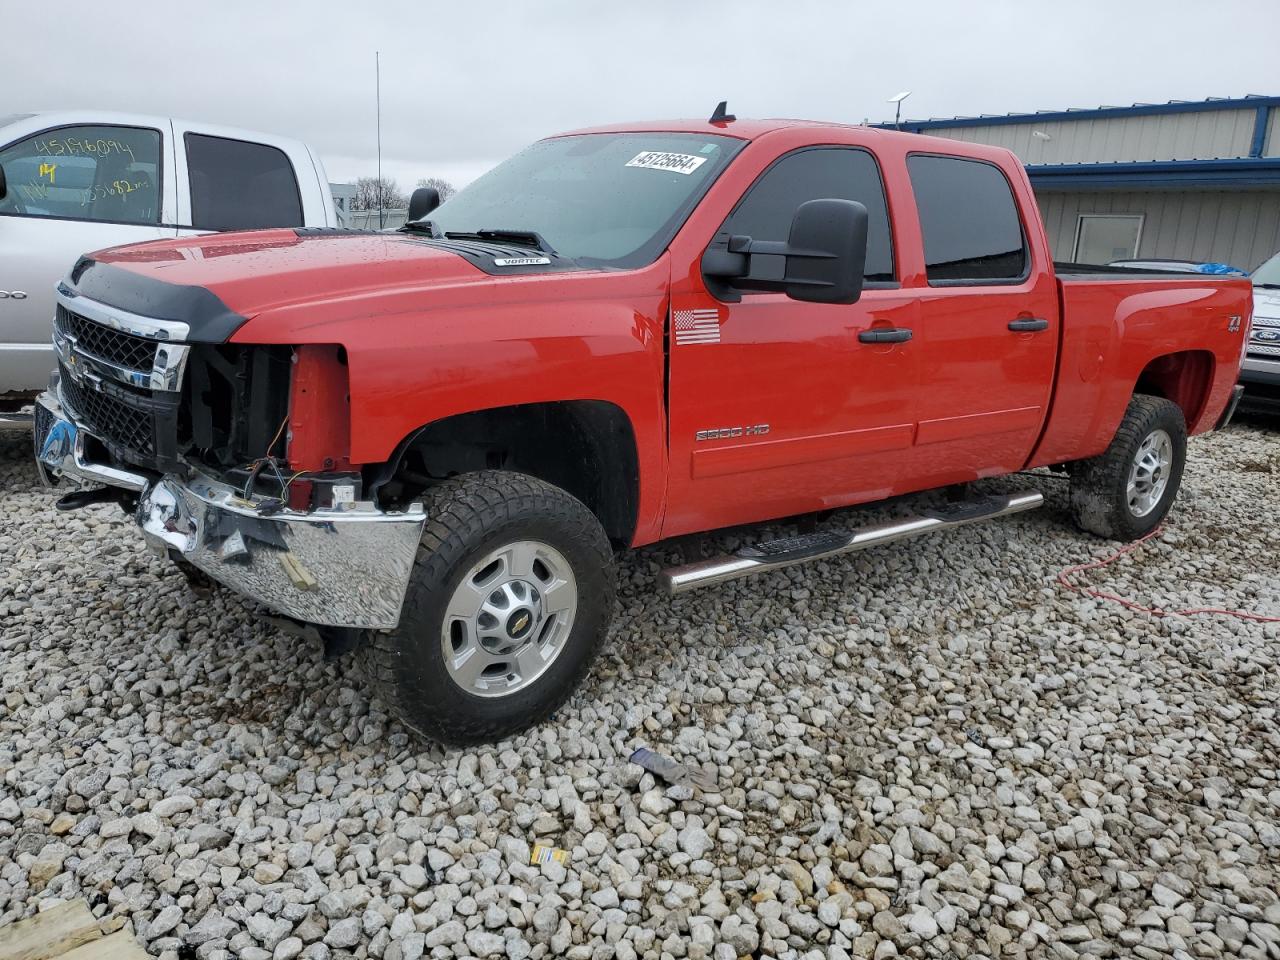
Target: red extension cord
1064, 580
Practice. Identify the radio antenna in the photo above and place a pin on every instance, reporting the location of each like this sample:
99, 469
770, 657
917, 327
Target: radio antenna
377, 81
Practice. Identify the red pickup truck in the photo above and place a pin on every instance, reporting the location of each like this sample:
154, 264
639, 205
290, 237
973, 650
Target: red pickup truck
431, 441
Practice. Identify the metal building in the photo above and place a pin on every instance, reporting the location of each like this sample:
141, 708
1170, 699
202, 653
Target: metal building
1190, 180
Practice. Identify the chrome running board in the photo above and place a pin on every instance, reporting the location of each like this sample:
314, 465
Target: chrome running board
776, 554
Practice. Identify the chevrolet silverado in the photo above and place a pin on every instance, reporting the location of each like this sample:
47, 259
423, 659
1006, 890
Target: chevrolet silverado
431, 442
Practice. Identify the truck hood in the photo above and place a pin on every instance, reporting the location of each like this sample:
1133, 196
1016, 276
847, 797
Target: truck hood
216, 283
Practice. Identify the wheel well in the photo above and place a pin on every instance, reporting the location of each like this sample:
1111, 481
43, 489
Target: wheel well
1184, 378
586, 447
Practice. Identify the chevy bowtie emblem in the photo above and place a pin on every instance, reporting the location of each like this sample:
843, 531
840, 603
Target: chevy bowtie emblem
521, 623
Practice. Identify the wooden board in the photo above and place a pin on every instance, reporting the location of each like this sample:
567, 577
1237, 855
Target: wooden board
118, 946
49, 934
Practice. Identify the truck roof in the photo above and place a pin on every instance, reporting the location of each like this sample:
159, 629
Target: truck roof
841, 133
115, 118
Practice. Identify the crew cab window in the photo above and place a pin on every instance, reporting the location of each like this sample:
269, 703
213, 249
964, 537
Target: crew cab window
237, 185
816, 173
969, 221
85, 173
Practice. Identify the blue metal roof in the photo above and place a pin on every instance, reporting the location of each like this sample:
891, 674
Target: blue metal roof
1157, 174
1250, 102
1253, 171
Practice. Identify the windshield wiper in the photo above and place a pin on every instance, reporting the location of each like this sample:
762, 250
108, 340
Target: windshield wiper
1268, 286
527, 238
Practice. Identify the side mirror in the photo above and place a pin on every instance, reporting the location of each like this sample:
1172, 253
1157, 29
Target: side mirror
4, 184
823, 260
422, 202
828, 257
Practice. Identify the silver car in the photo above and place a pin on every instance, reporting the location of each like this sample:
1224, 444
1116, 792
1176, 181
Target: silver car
1260, 373
71, 183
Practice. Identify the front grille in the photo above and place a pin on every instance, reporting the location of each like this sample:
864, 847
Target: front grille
121, 349
109, 417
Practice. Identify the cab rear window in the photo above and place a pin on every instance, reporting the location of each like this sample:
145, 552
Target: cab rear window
969, 221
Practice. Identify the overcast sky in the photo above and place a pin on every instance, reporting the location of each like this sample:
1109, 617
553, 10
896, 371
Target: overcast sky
466, 84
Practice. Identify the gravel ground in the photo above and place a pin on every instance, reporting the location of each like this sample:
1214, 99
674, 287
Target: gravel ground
928, 750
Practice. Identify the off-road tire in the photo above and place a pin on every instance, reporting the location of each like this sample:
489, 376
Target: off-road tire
467, 517
1099, 499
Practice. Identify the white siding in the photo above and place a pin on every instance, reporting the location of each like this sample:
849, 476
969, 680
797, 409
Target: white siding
1271, 143
1240, 227
1196, 135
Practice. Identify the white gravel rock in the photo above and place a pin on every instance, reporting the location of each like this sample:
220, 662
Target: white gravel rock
927, 750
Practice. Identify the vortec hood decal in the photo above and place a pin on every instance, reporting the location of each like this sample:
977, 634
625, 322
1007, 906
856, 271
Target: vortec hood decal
209, 319
520, 261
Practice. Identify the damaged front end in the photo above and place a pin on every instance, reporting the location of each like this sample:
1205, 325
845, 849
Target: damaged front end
223, 454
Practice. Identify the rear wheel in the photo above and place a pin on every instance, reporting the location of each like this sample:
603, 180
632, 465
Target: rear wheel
510, 598
1124, 492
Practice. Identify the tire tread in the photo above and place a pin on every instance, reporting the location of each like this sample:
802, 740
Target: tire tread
1096, 482
460, 512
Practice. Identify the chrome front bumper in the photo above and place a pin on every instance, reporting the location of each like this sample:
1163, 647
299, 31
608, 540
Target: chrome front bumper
1257, 369
348, 566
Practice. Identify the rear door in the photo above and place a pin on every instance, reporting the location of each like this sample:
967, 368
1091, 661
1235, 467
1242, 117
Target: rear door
988, 327
776, 406
226, 182
72, 189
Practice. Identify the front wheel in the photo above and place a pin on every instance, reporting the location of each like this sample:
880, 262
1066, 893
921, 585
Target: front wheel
1124, 492
510, 598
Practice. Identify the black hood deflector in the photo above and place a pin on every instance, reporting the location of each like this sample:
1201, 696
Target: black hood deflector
208, 318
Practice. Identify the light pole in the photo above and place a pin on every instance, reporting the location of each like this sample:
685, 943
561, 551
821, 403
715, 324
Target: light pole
897, 113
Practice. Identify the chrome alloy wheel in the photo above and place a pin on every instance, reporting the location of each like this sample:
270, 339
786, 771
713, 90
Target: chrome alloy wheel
1149, 473
509, 618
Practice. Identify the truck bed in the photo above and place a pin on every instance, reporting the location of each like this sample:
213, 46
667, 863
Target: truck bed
1068, 272
1114, 320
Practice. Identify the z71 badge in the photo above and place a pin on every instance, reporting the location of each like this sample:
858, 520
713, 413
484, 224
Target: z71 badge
723, 433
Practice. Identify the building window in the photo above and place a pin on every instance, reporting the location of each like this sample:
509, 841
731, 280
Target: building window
1101, 238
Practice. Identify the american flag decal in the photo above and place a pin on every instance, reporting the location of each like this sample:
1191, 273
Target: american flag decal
697, 326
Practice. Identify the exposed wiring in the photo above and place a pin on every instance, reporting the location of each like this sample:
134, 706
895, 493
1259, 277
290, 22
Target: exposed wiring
277, 436
255, 467
1065, 581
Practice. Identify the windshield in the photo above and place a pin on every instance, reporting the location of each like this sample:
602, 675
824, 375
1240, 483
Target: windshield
612, 199
1268, 275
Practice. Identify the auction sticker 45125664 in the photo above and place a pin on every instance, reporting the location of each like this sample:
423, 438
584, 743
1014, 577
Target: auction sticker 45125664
675, 162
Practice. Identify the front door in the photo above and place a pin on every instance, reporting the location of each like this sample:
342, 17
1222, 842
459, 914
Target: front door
987, 334
71, 190
776, 406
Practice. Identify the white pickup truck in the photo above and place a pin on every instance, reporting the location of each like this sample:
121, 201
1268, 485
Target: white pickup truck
80, 181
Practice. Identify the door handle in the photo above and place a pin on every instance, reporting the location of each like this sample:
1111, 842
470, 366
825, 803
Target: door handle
885, 335
1028, 324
